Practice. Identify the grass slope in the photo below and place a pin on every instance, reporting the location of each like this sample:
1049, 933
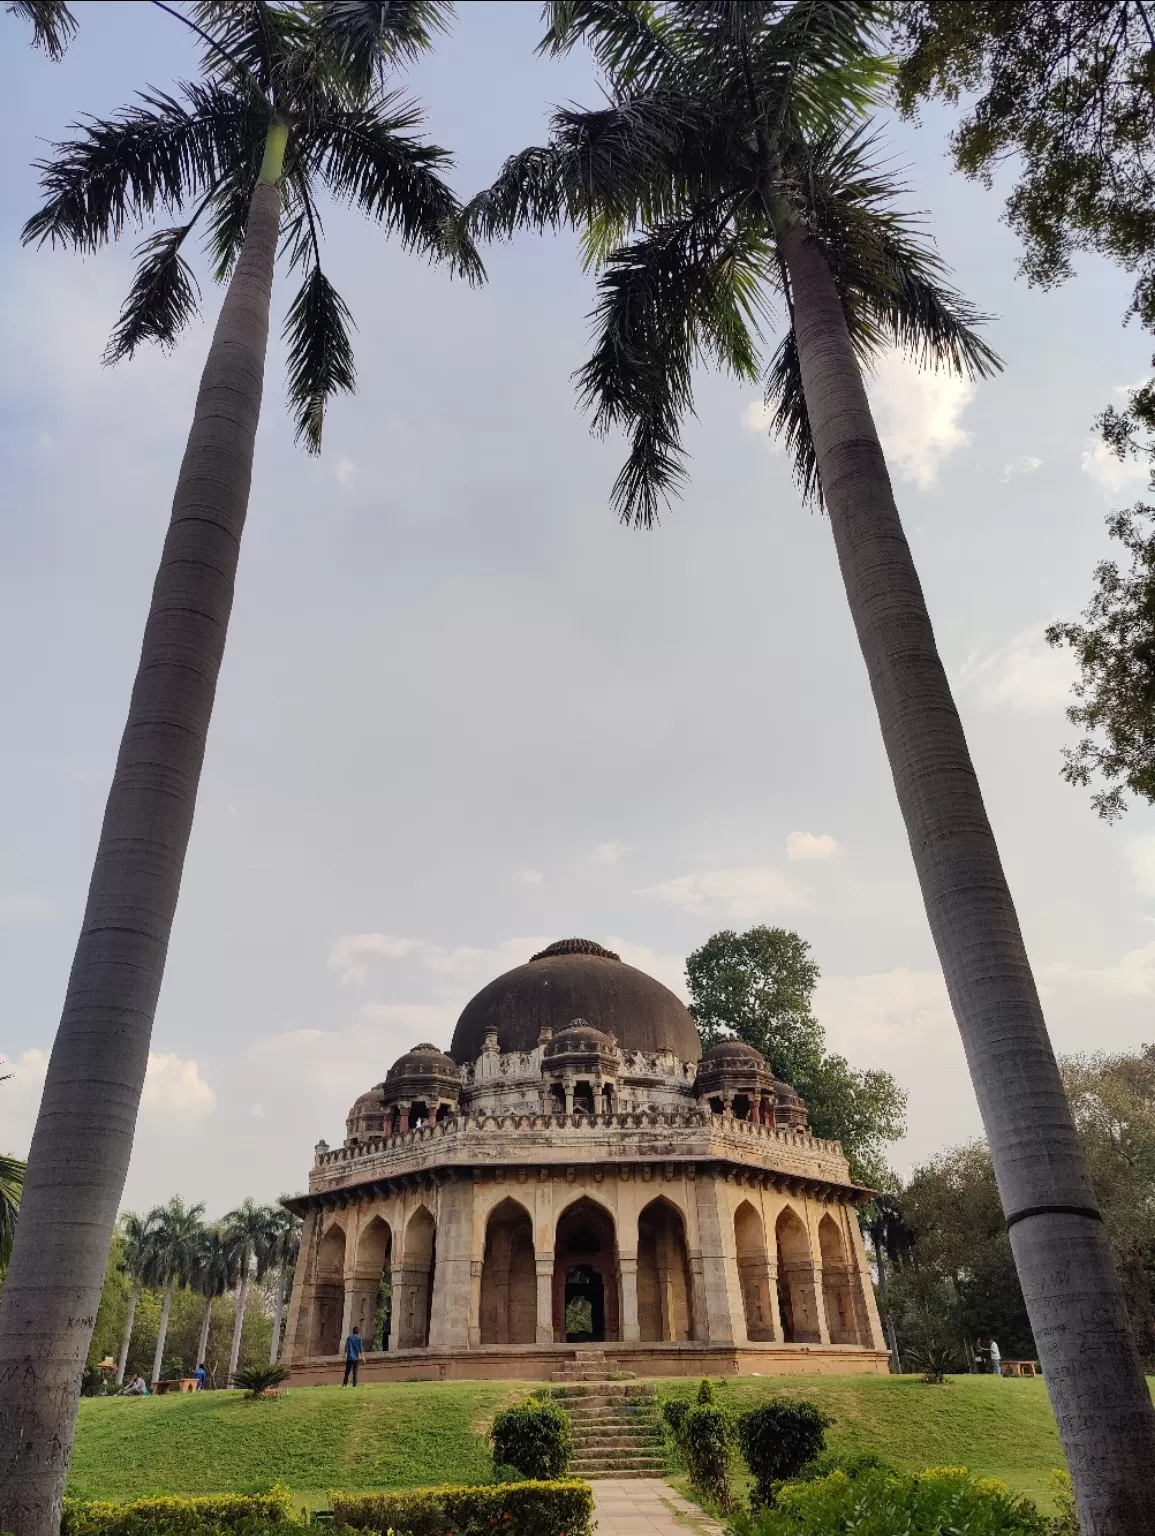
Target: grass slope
414, 1433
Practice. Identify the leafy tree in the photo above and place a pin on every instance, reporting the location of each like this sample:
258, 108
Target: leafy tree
292, 101
250, 1236
758, 985
134, 1260
1065, 91
730, 168
279, 1255
777, 1440
171, 1240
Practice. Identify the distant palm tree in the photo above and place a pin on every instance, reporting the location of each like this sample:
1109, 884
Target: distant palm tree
249, 1234
11, 1183
53, 24
213, 1273
730, 177
173, 1232
292, 102
280, 1257
134, 1262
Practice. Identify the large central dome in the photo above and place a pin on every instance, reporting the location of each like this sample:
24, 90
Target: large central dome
573, 979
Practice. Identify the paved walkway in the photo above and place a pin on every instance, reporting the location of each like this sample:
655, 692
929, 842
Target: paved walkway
647, 1506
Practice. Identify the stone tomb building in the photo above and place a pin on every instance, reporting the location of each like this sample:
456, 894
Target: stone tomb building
576, 1174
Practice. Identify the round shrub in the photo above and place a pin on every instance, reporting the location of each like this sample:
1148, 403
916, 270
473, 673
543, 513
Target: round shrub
674, 1413
705, 1444
777, 1441
535, 1438
706, 1391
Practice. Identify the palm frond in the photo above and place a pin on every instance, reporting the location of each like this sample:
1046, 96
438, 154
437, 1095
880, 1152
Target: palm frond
162, 300
229, 213
367, 159
628, 38
12, 1172
253, 43
367, 36
53, 24
320, 354
685, 290
791, 420
154, 156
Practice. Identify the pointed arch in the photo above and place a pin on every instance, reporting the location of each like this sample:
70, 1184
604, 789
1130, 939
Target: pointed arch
797, 1303
509, 1277
837, 1288
372, 1282
754, 1273
585, 1268
665, 1309
414, 1298
329, 1292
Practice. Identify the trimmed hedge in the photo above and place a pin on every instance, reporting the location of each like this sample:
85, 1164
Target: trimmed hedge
238, 1513
518, 1509
535, 1437
778, 1440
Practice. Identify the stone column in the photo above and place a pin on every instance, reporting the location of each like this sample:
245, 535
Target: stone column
476, 1268
300, 1320
628, 1270
819, 1303
567, 1084
403, 1118
449, 1317
543, 1263
775, 1310
865, 1304
721, 1315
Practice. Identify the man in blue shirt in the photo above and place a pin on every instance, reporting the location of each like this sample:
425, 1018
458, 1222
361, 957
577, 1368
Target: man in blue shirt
201, 1375
354, 1349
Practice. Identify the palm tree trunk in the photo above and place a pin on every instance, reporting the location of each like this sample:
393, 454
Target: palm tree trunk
206, 1322
275, 1346
1073, 1296
162, 1331
123, 1361
83, 1139
238, 1324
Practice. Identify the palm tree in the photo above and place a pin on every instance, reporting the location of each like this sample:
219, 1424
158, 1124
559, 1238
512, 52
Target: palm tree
249, 1235
11, 1183
53, 24
292, 102
731, 169
134, 1262
280, 1256
213, 1273
172, 1237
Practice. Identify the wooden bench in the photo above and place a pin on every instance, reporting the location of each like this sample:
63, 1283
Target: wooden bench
1019, 1368
177, 1384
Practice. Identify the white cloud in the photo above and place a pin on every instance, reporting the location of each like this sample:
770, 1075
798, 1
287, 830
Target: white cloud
810, 845
669, 969
918, 414
346, 953
1025, 464
1133, 976
19, 907
1025, 674
758, 417
1109, 472
609, 853
530, 876
887, 1006
345, 472
759, 891
350, 953
175, 1090
1141, 857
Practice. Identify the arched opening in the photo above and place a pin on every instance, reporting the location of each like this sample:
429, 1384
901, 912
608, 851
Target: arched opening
416, 1280
796, 1300
665, 1310
837, 1294
585, 1248
509, 1278
716, 1106
607, 1100
557, 1098
418, 1115
754, 1273
372, 1284
583, 1098
742, 1104
329, 1293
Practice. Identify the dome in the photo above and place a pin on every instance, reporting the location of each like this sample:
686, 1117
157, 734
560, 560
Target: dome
421, 1061
580, 1039
736, 1051
573, 979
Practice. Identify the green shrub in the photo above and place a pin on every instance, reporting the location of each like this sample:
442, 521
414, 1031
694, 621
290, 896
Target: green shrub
518, 1509
944, 1499
535, 1438
706, 1391
853, 1463
778, 1440
259, 1379
705, 1442
1066, 1521
674, 1413
236, 1513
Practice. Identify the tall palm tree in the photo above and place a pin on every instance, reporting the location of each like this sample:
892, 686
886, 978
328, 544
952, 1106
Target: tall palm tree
172, 1237
249, 1235
11, 1183
292, 102
731, 170
134, 1262
282, 1242
213, 1273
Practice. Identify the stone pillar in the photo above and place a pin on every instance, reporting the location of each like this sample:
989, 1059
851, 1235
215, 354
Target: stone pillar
718, 1311
544, 1265
403, 1118
300, 1319
865, 1304
449, 1318
775, 1309
628, 1271
567, 1084
476, 1268
819, 1303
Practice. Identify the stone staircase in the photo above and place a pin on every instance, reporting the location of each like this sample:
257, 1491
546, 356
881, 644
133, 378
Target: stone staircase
616, 1429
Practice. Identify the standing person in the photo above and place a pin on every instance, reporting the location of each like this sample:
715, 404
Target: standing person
996, 1363
202, 1376
354, 1349
981, 1360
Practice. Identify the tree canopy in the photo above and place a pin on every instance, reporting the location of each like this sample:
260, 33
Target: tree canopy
1063, 90
758, 986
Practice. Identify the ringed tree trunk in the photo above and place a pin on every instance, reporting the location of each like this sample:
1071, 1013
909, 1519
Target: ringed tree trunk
275, 1346
1074, 1299
162, 1332
238, 1322
123, 1361
83, 1140
206, 1323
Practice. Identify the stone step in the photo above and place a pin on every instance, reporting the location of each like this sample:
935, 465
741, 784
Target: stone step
617, 1466
582, 1444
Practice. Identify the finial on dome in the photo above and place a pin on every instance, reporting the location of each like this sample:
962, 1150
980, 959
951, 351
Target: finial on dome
574, 947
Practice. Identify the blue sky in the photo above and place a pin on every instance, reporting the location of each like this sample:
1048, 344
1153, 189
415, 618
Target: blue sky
463, 712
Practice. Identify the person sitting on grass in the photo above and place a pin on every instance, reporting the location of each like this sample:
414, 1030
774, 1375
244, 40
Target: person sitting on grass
137, 1387
354, 1349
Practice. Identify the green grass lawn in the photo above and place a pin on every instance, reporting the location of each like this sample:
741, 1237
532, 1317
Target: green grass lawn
417, 1433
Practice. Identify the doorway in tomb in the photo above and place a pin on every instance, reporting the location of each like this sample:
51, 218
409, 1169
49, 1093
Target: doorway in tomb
585, 1307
